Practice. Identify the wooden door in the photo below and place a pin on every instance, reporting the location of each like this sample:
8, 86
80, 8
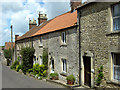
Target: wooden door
87, 71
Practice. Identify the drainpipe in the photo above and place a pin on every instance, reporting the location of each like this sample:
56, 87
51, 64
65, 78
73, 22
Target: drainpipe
79, 49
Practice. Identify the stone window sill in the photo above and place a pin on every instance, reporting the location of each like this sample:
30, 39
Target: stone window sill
63, 73
116, 82
63, 44
40, 46
113, 33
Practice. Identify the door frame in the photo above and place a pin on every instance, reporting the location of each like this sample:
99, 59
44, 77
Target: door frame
91, 55
87, 60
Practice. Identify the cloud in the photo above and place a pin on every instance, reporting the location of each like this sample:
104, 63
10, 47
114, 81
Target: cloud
56, 8
18, 13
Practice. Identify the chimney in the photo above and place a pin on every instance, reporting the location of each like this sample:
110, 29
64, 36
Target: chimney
42, 18
74, 4
32, 23
16, 36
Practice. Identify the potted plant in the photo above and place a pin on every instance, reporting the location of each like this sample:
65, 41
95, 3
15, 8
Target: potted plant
54, 76
70, 79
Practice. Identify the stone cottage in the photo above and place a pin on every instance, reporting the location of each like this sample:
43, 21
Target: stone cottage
99, 33
59, 35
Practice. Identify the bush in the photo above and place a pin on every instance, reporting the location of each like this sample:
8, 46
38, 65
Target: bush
18, 67
53, 75
14, 64
99, 76
70, 77
44, 73
27, 58
30, 70
39, 69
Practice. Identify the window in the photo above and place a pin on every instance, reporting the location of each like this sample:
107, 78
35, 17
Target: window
41, 41
116, 66
63, 37
41, 60
52, 66
116, 17
34, 60
64, 65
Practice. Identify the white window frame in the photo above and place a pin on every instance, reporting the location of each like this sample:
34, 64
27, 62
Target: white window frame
40, 41
52, 65
64, 37
64, 65
115, 66
115, 17
41, 60
34, 62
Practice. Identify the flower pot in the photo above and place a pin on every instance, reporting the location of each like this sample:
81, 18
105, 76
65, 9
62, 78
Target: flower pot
54, 78
69, 82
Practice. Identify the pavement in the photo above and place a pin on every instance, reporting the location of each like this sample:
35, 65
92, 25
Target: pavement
12, 79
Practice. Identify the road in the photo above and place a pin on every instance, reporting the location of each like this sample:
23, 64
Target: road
12, 79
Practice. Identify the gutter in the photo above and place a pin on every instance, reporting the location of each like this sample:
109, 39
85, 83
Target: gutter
79, 49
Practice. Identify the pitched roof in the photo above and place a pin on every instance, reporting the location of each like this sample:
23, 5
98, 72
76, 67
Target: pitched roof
8, 45
32, 31
60, 22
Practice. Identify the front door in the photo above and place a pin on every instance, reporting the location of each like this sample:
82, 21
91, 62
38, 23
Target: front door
87, 71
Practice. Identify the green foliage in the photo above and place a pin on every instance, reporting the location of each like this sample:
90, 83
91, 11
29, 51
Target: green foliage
30, 70
3, 47
7, 53
18, 67
100, 75
45, 57
70, 77
44, 73
27, 58
53, 75
14, 64
39, 69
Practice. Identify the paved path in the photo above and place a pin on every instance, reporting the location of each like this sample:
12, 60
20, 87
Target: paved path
12, 79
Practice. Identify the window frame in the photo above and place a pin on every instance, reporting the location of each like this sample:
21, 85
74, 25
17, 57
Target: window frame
52, 66
64, 37
114, 17
115, 66
41, 60
64, 65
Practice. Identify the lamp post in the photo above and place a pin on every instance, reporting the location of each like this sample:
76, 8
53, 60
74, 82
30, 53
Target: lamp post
11, 44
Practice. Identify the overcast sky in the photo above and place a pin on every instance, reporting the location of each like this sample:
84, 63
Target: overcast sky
18, 13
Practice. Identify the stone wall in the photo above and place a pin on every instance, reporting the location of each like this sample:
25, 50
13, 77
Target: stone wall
69, 51
95, 24
58, 50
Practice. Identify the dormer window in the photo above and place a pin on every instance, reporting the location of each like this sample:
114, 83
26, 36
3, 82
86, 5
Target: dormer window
116, 17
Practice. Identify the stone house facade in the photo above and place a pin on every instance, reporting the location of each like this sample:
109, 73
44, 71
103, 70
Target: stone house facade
60, 37
99, 29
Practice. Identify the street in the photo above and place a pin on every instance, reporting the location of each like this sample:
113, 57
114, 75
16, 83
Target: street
12, 79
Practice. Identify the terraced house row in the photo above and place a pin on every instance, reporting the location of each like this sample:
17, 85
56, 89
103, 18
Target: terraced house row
79, 42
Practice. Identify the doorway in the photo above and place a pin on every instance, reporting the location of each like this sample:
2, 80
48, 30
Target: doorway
87, 70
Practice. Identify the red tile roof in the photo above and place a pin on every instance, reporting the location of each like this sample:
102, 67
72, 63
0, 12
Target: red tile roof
8, 45
60, 22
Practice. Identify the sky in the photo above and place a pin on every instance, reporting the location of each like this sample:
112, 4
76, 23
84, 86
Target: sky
18, 13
